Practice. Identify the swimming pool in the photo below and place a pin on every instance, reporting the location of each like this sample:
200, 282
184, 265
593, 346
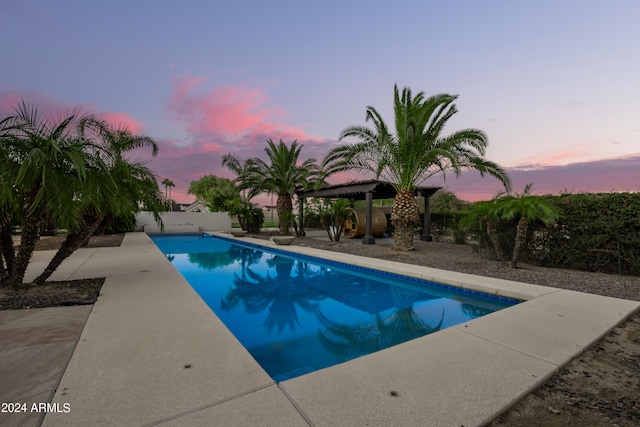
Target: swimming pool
296, 314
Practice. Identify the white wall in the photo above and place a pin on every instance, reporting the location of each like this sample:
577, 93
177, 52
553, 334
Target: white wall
183, 222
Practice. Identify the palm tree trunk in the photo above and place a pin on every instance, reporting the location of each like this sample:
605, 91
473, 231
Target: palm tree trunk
284, 206
521, 236
7, 253
404, 216
403, 236
69, 246
495, 240
28, 239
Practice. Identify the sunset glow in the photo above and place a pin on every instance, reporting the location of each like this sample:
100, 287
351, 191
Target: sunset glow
553, 84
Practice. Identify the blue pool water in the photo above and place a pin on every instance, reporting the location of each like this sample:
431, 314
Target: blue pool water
298, 314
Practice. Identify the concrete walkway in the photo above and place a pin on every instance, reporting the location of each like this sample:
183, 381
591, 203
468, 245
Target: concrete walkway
35, 347
152, 353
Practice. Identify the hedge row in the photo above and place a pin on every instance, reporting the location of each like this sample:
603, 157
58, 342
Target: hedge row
597, 232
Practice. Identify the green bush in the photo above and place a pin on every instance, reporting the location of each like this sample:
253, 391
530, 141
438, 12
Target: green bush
598, 232
312, 221
120, 224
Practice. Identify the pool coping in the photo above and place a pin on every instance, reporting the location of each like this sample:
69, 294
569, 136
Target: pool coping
152, 353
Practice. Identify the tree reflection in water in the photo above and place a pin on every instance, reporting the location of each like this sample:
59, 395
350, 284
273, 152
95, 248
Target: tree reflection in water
403, 324
212, 260
280, 293
473, 311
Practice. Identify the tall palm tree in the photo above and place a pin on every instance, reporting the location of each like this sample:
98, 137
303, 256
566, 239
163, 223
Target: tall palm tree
282, 176
42, 161
167, 191
243, 175
416, 151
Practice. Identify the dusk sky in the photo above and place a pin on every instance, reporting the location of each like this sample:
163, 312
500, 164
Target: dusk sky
554, 84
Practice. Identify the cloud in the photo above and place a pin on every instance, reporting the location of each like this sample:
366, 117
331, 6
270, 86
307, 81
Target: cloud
185, 163
120, 121
606, 175
52, 107
582, 152
232, 117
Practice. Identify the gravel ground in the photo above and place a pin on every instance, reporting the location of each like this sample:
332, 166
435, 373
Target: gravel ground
463, 258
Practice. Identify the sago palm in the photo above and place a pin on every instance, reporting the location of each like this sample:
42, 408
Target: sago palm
416, 151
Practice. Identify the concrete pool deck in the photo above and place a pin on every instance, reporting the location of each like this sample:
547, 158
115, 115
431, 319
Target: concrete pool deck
152, 353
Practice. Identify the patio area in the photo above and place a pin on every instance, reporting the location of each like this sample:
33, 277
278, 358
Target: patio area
152, 353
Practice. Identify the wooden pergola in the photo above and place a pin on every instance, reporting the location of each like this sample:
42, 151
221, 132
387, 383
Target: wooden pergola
368, 191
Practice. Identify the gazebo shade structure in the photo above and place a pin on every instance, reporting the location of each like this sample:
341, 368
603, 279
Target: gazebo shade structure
368, 190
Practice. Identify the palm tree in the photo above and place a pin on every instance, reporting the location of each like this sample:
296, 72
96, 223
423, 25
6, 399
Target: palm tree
9, 202
42, 161
485, 212
523, 207
116, 186
243, 175
7, 215
167, 191
526, 208
333, 215
282, 177
416, 151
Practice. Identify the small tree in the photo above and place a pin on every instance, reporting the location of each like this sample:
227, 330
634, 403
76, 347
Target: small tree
523, 208
333, 215
218, 194
485, 213
250, 216
526, 209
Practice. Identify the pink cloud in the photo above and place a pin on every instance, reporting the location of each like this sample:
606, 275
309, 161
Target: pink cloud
235, 116
583, 152
185, 163
606, 175
120, 121
53, 107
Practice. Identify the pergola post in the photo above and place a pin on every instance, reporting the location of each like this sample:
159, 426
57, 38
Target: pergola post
301, 215
426, 220
368, 238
